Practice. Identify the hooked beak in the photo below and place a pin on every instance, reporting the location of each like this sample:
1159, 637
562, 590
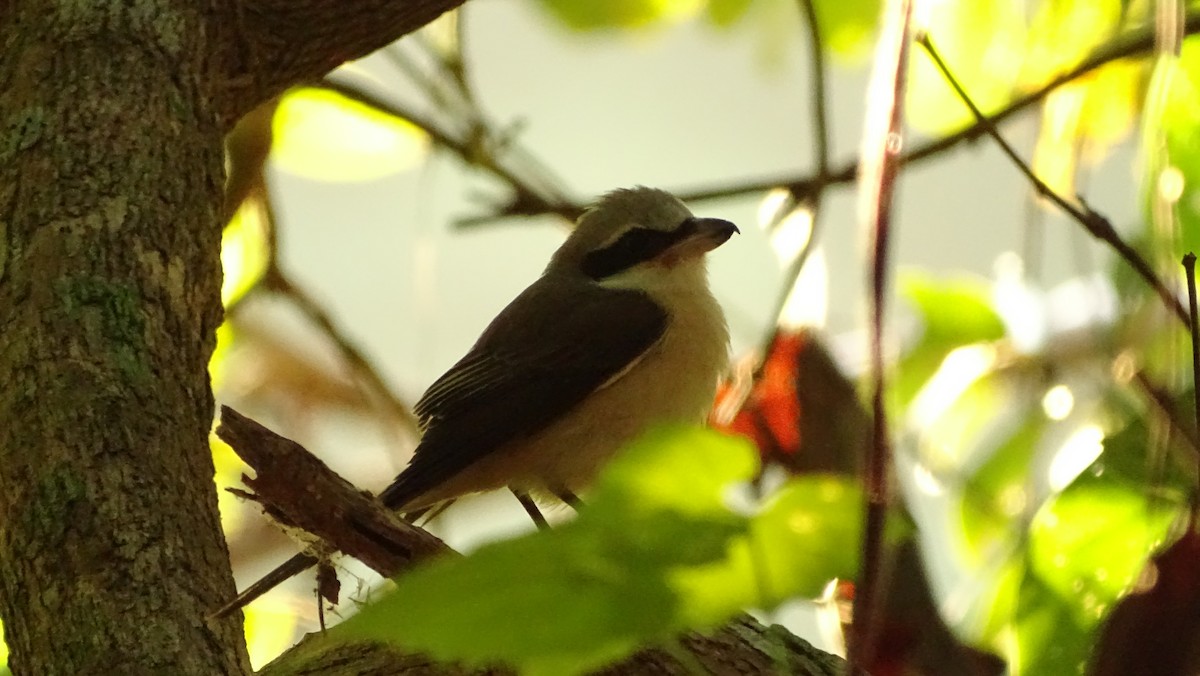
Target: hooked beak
698, 236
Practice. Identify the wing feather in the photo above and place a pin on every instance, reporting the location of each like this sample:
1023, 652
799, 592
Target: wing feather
555, 344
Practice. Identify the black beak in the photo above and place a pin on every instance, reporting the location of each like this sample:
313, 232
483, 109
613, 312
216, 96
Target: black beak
715, 230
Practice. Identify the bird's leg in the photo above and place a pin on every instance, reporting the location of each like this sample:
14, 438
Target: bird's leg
531, 509
427, 514
568, 497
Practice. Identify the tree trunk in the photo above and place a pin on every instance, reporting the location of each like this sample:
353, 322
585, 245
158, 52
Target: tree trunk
110, 187
112, 119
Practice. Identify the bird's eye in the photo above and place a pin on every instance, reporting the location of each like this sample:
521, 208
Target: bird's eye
636, 246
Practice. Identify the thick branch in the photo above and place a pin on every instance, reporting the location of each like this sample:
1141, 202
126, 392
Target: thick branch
741, 647
290, 41
299, 490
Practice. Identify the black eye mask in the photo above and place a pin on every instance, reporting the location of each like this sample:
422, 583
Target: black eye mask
636, 246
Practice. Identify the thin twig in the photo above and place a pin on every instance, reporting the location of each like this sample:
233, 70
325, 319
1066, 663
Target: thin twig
880, 166
1162, 400
277, 281
820, 118
820, 113
527, 198
1131, 44
1092, 221
529, 201
1189, 265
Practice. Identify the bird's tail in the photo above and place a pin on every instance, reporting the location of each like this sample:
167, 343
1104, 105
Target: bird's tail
285, 571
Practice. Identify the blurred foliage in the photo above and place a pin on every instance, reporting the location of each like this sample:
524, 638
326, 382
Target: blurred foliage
952, 314
269, 630
244, 251
626, 14
1171, 139
1037, 518
657, 552
325, 136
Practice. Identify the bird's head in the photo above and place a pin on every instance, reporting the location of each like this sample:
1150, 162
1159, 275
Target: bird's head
639, 231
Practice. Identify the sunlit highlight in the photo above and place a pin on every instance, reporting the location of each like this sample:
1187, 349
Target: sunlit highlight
243, 251
829, 619
771, 205
1058, 402
791, 235
323, 135
962, 367
1021, 307
1124, 367
1170, 185
1077, 454
926, 482
808, 302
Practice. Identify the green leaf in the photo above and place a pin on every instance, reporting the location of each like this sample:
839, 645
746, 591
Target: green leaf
588, 592
953, 313
983, 43
995, 495
1063, 33
1092, 541
656, 551
1049, 640
592, 15
1086, 549
725, 13
807, 535
1173, 166
847, 26
1128, 457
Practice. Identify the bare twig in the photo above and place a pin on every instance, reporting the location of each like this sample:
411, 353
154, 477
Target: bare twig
279, 282
1092, 221
820, 119
530, 201
1133, 43
1161, 399
877, 182
299, 491
527, 198
1189, 265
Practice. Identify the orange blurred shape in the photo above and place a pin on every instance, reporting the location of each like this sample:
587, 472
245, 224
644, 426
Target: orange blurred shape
801, 412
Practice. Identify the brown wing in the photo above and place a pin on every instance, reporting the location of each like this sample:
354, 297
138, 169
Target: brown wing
555, 344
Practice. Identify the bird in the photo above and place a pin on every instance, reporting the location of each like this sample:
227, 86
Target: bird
620, 332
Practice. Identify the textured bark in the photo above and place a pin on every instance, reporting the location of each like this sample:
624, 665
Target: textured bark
290, 41
741, 648
111, 123
110, 182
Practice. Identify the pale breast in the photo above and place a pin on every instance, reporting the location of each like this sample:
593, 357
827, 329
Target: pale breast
675, 381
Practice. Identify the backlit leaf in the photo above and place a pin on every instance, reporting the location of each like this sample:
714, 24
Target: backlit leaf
1173, 166
1064, 32
244, 251
590, 15
727, 12
982, 43
323, 135
953, 313
656, 551
847, 26
1086, 549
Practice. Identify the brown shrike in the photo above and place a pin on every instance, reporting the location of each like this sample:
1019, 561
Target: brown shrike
619, 333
